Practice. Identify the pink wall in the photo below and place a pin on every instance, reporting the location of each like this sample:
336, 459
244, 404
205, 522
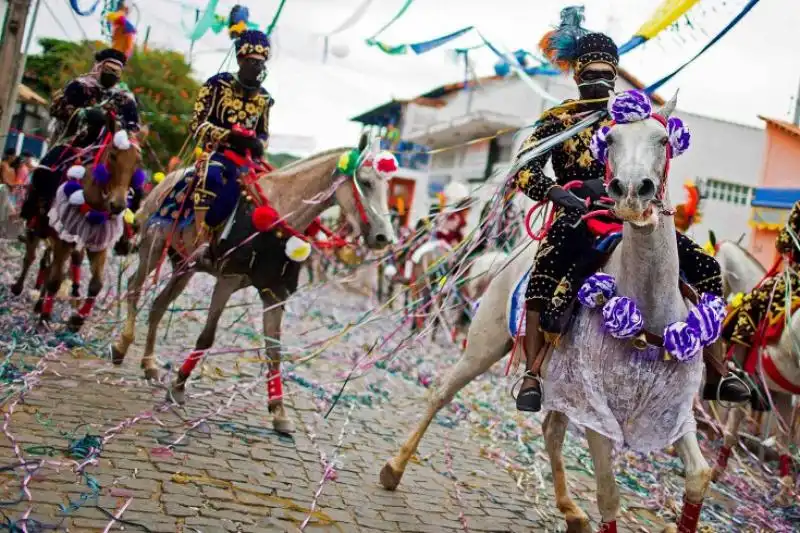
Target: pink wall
781, 170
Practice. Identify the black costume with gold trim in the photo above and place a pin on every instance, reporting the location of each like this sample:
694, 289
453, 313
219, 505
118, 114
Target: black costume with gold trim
558, 270
768, 300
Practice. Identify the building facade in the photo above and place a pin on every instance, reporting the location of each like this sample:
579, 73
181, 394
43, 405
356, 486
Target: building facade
471, 130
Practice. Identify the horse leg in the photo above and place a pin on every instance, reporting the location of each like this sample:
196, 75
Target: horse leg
601, 450
175, 286
97, 264
273, 317
223, 290
784, 408
148, 260
31, 244
698, 477
554, 429
731, 438
76, 259
484, 348
55, 276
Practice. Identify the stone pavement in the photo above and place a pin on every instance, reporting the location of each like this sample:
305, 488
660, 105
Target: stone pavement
230, 472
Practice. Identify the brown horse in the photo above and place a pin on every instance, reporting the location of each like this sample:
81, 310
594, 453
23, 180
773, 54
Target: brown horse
84, 218
246, 257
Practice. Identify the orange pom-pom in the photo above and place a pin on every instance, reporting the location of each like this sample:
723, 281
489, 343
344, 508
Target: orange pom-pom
264, 218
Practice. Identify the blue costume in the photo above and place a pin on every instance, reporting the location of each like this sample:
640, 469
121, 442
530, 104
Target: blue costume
228, 116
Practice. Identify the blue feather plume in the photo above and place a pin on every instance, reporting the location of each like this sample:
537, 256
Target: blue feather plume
561, 44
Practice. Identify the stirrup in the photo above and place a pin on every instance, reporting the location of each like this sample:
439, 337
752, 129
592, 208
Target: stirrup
519, 380
723, 379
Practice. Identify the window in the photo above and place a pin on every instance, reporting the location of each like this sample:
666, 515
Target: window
725, 191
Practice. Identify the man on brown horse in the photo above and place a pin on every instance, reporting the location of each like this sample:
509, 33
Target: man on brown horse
564, 257
80, 110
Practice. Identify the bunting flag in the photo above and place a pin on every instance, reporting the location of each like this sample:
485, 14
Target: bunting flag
373, 40
424, 46
84, 13
204, 23
745, 10
664, 16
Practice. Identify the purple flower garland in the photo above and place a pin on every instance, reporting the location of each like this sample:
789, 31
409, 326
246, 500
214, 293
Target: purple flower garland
622, 319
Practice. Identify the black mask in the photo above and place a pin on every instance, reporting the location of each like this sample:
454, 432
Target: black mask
252, 72
108, 79
595, 84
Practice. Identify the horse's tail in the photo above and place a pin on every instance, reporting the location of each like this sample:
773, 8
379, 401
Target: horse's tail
153, 200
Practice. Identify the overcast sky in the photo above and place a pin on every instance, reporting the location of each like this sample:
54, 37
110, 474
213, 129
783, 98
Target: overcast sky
754, 70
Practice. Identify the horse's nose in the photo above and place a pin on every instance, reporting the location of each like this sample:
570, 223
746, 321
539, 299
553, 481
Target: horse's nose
116, 208
646, 189
616, 189
381, 239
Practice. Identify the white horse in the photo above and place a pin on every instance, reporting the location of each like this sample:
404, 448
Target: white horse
779, 363
590, 377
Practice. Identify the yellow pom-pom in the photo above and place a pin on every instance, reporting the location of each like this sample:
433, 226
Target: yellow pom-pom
128, 216
709, 248
297, 249
344, 161
198, 152
736, 300
158, 177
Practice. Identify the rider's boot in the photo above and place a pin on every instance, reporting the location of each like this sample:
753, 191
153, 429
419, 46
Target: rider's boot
721, 383
200, 255
530, 394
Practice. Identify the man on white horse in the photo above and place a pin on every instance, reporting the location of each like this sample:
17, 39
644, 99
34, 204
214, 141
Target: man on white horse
565, 256
231, 123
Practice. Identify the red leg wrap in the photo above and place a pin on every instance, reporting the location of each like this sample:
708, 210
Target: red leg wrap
690, 516
608, 527
40, 278
274, 385
190, 363
47, 305
75, 272
724, 455
86, 308
785, 465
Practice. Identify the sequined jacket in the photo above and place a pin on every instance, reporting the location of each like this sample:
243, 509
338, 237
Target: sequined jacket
785, 243
572, 159
222, 103
86, 91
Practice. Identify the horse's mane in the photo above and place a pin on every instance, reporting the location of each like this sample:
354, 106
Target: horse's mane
301, 165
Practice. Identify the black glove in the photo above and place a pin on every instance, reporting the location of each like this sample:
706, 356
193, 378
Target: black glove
592, 189
242, 143
95, 117
566, 199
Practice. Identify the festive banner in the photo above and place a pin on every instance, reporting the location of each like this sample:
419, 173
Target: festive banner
421, 47
204, 23
406, 5
79, 11
750, 5
352, 20
665, 15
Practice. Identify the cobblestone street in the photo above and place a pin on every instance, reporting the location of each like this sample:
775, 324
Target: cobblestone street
215, 465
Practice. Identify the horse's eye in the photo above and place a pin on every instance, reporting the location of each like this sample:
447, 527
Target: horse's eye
663, 141
609, 140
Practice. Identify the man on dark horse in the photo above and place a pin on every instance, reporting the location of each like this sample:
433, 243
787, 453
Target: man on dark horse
231, 126
80, 110
561, 264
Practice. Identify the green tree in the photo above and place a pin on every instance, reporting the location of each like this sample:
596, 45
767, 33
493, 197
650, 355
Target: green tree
160, 79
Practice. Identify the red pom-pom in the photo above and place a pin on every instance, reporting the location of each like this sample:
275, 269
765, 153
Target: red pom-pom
264, 217
84, 208
386, 165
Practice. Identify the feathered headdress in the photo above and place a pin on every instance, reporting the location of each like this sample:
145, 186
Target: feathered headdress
560, 45
122, 30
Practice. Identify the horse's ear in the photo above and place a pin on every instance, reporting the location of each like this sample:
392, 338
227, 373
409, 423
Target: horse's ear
669, 108
740, 239
363, 142
712, 238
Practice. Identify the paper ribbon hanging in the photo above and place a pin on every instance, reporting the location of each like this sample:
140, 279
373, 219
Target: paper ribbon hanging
373, 41
84, 13
204, 23
664, 16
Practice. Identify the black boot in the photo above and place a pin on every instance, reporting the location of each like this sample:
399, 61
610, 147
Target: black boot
529, 399
731, 388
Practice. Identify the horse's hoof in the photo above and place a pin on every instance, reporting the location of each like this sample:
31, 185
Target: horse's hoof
390, 478
117, 357
579, 524
151, 374
672, 528
75, 323
37, 307
283, 425
177, 394
16, 289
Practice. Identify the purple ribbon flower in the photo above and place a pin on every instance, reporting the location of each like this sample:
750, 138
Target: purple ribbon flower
101, 174
630, 106
70, 187
621, 318
706, 321
599, 144
716, 303
597, 290
138, 179
679, 136
682, 342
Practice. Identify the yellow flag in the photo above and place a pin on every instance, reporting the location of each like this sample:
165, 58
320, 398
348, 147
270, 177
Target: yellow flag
666, 14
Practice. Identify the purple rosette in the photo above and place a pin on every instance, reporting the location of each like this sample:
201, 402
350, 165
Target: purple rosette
621, 318
96, 218
70, 187
599, 144
705, 320
101, 174
597, 290
682, 342
138, 179
716, 303
679, 136
630, 106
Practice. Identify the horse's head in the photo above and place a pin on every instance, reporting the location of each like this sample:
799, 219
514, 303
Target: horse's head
636, 149
366, 202
112, 173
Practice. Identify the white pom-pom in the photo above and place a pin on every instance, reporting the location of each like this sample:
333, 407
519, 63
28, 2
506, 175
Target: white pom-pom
297, 249
455, 191
340, 50
390, 271
121, 140
77, 198
76, 172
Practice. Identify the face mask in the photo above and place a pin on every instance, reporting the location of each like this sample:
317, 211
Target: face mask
108, 79
595, 84
252, 72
